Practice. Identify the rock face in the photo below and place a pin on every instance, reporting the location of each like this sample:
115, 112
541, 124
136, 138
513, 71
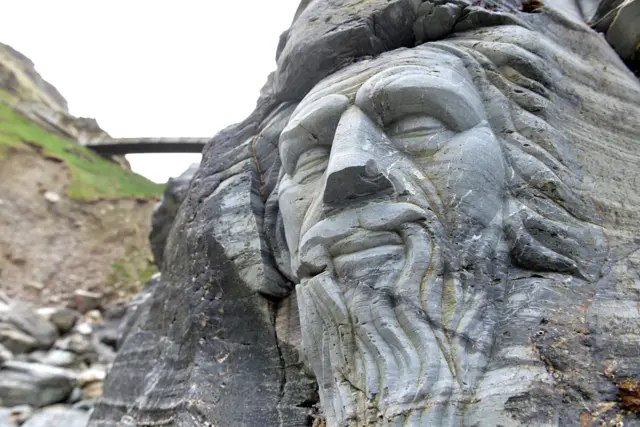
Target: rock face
165, 212
41, 101
51, 242
18, 75
430, 219
619, 21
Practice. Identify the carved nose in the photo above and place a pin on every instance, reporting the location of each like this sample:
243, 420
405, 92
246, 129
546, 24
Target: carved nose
354, 173
360, 180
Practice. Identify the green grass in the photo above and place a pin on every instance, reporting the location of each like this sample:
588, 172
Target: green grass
92, 177
128, 274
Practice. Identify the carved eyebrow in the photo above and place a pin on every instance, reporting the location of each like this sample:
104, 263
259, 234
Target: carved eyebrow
314, 125
441, 92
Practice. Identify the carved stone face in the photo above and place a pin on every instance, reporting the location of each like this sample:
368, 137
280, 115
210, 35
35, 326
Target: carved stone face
367, 160
393, 184
413, 188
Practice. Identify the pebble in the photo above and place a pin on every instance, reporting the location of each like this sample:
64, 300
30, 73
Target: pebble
52, 197
54, 380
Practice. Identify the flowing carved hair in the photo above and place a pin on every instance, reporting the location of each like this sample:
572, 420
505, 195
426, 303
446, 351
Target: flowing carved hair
416, 352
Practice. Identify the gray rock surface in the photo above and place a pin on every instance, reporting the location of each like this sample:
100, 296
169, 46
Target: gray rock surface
619, 21
61, 358
85, 301
58, 417
50, 379
34, 384
165, 212
5, 354
338, 33
28, 69
27, 320
63, 318
439, 235
16, 341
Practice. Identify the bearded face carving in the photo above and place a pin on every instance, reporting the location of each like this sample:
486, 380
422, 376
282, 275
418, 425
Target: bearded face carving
412, 187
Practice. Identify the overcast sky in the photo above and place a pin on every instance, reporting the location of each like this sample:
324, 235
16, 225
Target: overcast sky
152, 67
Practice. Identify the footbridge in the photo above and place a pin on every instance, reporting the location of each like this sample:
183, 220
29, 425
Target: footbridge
120, 146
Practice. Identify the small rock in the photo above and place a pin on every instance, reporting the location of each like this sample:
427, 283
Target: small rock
86, 301
30, 322
21, 413
116, 310
63, 318
75, 396
61, 358
46, 312
51, 417
109, 337
93, 317
51, 197
34, 357
15, 340
84, 329
35, 384
91, 376
92, 390
35, 285
76, 343
5, 355
105, 354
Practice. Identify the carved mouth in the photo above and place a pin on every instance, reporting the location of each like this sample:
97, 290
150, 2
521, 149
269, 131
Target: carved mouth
356, 240
368, 256
362, 240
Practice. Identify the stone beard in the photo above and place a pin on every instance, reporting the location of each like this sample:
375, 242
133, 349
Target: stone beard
414, 187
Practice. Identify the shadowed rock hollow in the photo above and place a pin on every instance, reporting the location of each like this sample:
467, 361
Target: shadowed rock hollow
430, 219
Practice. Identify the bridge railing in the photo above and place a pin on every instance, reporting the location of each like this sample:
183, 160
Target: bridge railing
120, 146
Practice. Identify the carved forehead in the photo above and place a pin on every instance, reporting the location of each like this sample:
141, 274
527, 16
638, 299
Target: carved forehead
422, 59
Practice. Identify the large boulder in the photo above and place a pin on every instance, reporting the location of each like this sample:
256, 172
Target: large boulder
442, 234
326, 36
34, 384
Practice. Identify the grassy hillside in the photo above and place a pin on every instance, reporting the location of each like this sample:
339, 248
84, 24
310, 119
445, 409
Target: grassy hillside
91, 176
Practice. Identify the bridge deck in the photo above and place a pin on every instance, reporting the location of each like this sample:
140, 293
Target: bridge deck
119, 146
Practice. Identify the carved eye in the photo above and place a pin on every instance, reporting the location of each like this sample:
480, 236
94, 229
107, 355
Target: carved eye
419, 135
310, 164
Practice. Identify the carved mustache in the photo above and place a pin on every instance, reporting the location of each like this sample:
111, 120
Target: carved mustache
375, 217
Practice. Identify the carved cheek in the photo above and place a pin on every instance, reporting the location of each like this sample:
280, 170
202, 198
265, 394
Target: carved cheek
300, 200
294, 202
469, 174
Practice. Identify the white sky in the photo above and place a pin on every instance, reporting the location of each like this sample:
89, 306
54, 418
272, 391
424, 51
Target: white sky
152, 67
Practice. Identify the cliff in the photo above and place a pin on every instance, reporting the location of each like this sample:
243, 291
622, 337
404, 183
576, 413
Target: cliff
69, 219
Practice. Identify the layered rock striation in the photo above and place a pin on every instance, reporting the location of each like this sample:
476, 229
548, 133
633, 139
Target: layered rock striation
429, 219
